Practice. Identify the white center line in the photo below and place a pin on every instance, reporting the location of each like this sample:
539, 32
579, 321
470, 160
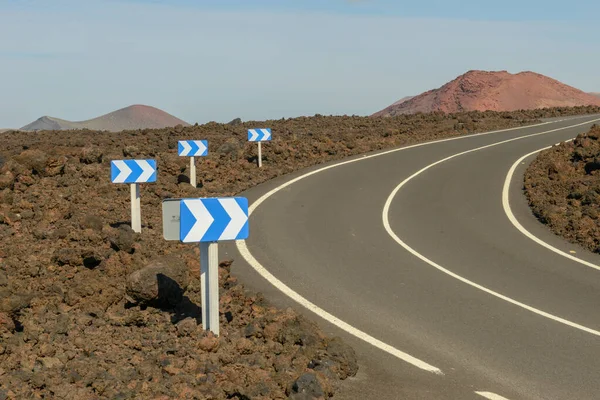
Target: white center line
388, 228
262, 271
515, 222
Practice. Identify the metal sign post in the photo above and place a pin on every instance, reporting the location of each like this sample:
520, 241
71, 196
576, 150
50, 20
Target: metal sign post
209, 282
136, 208
207, 221
192, 148
133, 172
259, 135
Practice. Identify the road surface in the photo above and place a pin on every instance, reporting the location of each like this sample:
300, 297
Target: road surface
410, 257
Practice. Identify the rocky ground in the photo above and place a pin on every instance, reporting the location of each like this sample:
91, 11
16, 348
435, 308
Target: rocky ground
91, 310
563, 188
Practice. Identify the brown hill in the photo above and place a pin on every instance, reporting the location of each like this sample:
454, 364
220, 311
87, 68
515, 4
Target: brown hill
128, 118
496, 91
597, 94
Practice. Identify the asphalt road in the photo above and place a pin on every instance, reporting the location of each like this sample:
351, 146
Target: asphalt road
498, 313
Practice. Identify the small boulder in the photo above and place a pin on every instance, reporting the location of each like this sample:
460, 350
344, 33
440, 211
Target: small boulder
186, 326
34, 160
92, 222
209, 343
56, 166
7, 180
13, 303
122, 238
306, 387
6, 323
130, 151
91, 155
235, 122
231, 149
161, 282
67, 256
344, 357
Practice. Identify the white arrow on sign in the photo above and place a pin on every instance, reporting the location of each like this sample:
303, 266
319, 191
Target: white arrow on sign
201, 147
200, 212
254, 134
125, 171
186, 148
267, 135
238, 218
148, 170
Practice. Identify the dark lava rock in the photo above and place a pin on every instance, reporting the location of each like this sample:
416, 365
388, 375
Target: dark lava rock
7, 180
235, 122
163, 281
6, 323
130, 151
344, 357
92, 222
3, 278
306, 387
67, 256
186, 326
12, 303
91, 155
230, 148
35, 160
91, 258
122, 238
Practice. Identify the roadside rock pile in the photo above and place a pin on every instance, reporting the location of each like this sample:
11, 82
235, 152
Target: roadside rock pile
563, 188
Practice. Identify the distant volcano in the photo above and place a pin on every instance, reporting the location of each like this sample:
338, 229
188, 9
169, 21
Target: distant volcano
496, 91
128, 118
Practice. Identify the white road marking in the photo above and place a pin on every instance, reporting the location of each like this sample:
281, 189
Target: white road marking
491, 396
517, 224
389, 230
243, 249
262, 271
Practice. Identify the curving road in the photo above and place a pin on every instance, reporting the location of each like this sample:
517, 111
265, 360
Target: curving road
409, 255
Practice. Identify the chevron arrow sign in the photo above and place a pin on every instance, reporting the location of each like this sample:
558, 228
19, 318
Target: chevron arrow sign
192, 148
213, 219
133, 171
259, 135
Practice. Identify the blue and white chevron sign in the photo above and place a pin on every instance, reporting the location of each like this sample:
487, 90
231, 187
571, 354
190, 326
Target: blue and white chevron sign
133, 171
259, 135
213, 219
192, 148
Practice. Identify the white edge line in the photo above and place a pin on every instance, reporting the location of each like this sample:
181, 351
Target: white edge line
491, 396
389, 230
243, 249
517, 224
245, 252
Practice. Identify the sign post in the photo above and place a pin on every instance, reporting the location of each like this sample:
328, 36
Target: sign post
192, 148
133, 172
259, 135
207, 221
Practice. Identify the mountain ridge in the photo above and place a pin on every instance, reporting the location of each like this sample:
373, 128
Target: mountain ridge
137, 116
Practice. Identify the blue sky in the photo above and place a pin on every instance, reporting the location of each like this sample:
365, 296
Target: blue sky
215, 60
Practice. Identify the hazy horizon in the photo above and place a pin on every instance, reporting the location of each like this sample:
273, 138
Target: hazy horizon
219, 60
